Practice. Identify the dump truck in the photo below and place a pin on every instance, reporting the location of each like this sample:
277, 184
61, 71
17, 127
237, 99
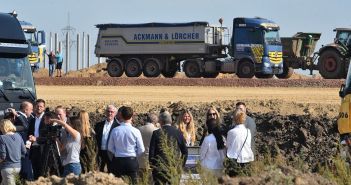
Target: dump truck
37, 41
196, 48
16, 80
298, 53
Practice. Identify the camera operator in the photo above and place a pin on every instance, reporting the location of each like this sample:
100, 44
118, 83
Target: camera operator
41, 142
70, 144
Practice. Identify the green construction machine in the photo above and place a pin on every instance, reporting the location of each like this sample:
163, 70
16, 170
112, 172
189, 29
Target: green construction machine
334, 58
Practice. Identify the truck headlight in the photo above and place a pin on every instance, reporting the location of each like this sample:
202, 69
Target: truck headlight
266, 64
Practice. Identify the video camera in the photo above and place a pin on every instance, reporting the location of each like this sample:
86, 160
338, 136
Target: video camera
51, 132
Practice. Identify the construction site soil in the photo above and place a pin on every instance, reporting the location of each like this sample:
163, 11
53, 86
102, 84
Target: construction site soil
296, 118
224, 82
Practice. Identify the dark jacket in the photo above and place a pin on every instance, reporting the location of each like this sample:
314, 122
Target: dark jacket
99, 127
22, 125
31, 127
52, 58
173, 134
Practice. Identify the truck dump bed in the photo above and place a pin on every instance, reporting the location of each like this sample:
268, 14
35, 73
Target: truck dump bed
152, 38
300, 45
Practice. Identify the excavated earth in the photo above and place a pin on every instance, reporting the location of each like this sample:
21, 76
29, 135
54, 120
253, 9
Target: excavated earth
314, 140
309, 139
226, 82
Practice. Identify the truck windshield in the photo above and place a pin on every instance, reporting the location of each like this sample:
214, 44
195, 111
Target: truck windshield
272, 37
16, 73
31, 37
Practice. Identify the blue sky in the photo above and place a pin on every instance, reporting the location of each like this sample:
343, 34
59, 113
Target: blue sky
292, 15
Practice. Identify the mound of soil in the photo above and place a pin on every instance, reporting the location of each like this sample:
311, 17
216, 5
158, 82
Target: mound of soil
227, 82
280, 175
91, 178
314, 140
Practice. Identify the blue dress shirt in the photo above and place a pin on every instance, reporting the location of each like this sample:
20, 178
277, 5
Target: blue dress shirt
126, 141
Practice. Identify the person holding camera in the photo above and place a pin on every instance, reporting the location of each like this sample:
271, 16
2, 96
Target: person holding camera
70, 144
49, 160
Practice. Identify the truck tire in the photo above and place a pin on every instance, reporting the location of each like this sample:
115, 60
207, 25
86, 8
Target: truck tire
115, 68
260, 75
151, 68
192, 69
169, 74
330, 65
287, 73
246, 69
210, 75
133, 67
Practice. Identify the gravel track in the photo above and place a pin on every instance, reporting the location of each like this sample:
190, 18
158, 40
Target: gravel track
226, 82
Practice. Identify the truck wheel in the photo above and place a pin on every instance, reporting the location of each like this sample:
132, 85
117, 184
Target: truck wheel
133, 68
260, 75
330, 65
151, 68
114, 68
287, 73
210, 75
169, 74
246, 69
192, 69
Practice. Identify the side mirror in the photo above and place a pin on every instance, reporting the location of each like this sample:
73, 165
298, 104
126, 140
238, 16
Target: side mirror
41, 37
341, 91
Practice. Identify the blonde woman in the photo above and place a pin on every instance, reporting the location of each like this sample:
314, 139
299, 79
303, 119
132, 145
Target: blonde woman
239, 150
11, 150
187, 127
88, 150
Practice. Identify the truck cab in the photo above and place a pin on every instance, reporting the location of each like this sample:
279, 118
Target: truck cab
16, 80
256, 45
37, 41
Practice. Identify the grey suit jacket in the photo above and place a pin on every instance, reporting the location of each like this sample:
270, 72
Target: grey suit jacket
146, 133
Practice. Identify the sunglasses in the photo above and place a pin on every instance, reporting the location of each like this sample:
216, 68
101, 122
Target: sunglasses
211, 114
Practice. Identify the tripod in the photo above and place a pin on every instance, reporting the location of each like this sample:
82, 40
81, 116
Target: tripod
51, 158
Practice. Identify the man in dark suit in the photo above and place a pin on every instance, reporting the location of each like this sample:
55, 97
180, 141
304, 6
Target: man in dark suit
22, 119
35, 126
156, 154
103, 131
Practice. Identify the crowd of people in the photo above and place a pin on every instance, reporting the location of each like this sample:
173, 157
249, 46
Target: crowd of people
115, 146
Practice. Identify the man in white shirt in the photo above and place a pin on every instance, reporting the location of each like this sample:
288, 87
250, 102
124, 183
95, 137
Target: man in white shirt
103, 131
126, 144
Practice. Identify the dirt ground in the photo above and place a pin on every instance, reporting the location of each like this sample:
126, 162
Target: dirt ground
284, 101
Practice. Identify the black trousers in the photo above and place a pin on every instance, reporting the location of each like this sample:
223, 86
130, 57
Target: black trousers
36, 157
126, 166
104, 161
